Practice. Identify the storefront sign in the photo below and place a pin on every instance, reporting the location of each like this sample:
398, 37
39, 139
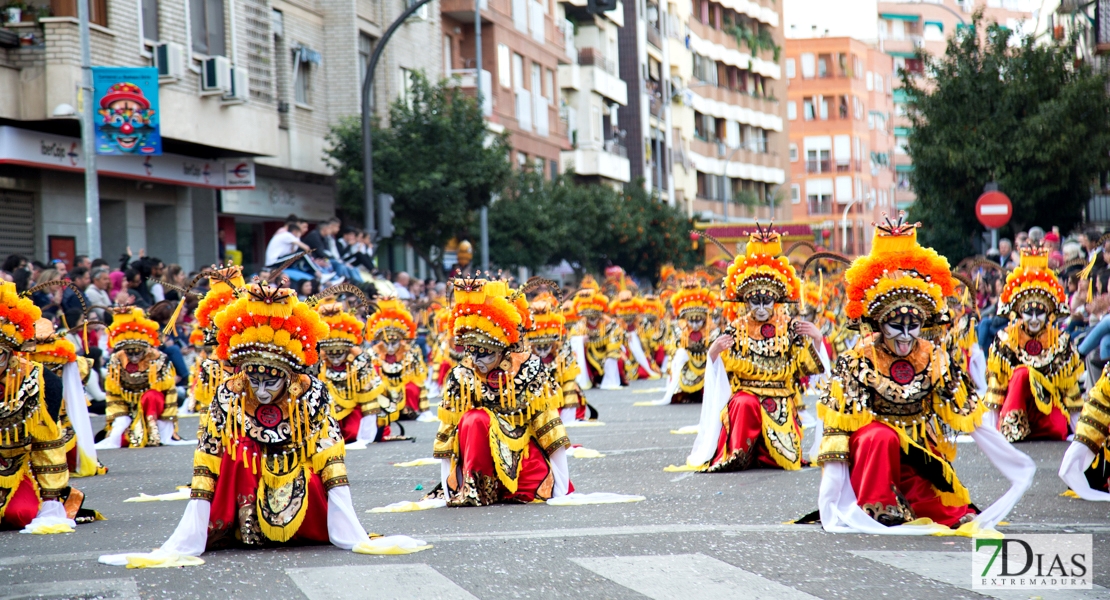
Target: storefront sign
43, 150
277, 199
126, 111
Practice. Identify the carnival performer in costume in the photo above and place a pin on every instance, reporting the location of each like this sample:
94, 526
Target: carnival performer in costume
692, 304
895, 403
653, 327
355, 385
1033, 371
59, 356
400, 364
209, 372
269, 468
626, 310
753, 381
445, 354
141, 384
500, 437
547, 340
597, 341
35, 494
1085, 468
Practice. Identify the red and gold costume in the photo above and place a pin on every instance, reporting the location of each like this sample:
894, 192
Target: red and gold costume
692, 329
34, 477
398, 361
1085, 468
547, 338
444, 354
890, 420
1033, 379
653, 329
763, 369
349, 371
626, 310
141, 387
208, 372
59, 356
500, 435
602, 337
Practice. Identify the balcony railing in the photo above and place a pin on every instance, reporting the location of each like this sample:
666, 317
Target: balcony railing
818, 166
654, 36
594, 57
614, 146
820, 207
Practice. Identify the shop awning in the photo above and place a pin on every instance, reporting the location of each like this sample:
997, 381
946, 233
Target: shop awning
904, 168
900, 96
899, 17
900, 54
902, 131
937, 24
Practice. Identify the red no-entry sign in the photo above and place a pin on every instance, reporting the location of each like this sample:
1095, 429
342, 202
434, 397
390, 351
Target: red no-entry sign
994, 209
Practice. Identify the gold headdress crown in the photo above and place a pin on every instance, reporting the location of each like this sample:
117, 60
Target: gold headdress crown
761, 268
391, 322
1032, 281
131, 327
483, 314
269, 326
17, 317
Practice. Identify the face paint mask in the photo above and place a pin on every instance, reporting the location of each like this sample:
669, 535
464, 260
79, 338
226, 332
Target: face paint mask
391, 347
760, 306
696, 323
1034, 317
135, 354
900, 334
541, 350
484, 359
5, 358
267, 388
336, 357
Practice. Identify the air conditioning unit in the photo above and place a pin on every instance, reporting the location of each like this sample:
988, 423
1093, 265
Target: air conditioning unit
240, 87
169, 57
215, 77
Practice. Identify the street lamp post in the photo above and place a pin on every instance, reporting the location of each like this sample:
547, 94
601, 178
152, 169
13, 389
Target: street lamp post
844, 226
88, 143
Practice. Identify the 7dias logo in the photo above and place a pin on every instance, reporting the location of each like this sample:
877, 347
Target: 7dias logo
1032, 562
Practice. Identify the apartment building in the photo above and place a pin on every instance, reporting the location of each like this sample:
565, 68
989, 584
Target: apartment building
247, 92
592, 96
728, 108
906, 27
839, 110
524, 42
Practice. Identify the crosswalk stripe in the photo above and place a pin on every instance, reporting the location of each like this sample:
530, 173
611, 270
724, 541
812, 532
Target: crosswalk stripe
954, 568
382, 582
688, 576
113, 589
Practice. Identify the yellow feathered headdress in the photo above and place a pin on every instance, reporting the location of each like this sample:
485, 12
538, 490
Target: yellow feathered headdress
344, 329
392, 321
17, 317
692, 298
625, 306
483, 314
898, 275
548, 324
761, 268
1032, 281
131, 327
590, 302
269, 326
51, 347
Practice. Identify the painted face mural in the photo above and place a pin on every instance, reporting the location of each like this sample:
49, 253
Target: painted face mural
126, 119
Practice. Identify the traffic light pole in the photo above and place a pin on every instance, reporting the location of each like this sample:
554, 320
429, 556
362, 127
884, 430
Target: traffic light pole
368, 200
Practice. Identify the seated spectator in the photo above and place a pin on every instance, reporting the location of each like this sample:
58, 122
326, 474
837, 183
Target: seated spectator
284, 245
75, 299
97, 290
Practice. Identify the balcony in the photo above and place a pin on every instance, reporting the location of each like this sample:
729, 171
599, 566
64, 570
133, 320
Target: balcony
594, 57
605, 84
724, 103
609, 163
464, 80
711, 157
818, 166
721, 46
821, 207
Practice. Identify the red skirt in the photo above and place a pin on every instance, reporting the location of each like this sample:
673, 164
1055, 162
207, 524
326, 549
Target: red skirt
235, 496
350, 424
1021, 419
22, 506
740, 445
886, 484
535, 480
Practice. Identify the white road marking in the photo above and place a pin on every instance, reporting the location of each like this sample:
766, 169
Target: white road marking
14, 561
114, 589
698, 576
381, 582
615, 531
954, 568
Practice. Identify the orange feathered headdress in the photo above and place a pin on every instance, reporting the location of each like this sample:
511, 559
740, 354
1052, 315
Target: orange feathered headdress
692, 298
590, 302
392, 321
483, 314
625, 306
269, 326
652, 307
898, 275
17, 317
130, 326
343, 328
761, 268
548, 325
221, 292
1032, 281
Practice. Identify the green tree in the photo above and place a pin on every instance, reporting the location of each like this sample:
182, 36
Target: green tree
437, 159
647, 233
526, 223
1026, 116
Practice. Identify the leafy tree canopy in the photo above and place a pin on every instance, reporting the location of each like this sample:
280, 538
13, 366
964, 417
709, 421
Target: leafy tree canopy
1026, 116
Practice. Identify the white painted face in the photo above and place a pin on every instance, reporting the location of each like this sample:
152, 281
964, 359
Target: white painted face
134, 354
1034, 317
900, 333
485, 360
542, 350
392, 346
696, 322
5, 358
336, 356
760, 306
267, 387
593, 320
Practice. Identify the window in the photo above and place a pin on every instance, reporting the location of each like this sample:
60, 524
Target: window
878, 83
549, 86
791, 110
823, 108
504, 67
842, 112
844, 189
521, 159
807, 109
819, 194
302, 78
150, 20
365, 49
808, 66
870, 80
823, 65
898, 29
447, 62
206, 19
405, 86
790, 68
795, 193
793, 153
518, 72
934, 31
817, 161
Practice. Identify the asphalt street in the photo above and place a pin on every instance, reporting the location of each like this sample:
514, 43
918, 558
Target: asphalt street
695, 535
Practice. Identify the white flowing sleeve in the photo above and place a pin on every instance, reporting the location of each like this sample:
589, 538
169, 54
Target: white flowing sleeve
1014, 464
841, 514
637, 350
715, 395
78, 412
344, 528
191, 535
1076, 460
977, 368
677, 363
368, 428
561, 471
114, 439
578, 344
611, 380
